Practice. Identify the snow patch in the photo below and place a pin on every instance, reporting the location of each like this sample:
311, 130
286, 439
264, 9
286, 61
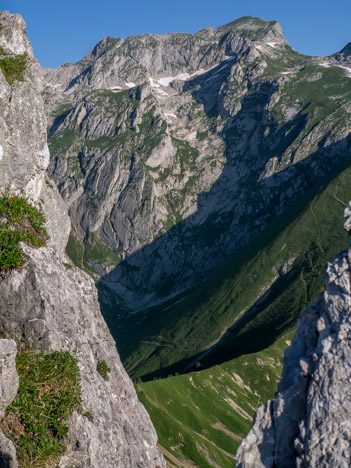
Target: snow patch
166, 80
171, 115
329, 65
212, 77
259, 47
130, 85
348, 69
1, 153
287, 72
272, 44
153, 83
54, 86
115, 87
161, 92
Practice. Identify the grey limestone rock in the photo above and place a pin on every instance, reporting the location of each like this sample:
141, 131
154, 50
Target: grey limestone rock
9, 382
24, 154
8, 373
8, 457
54, 308
309, 423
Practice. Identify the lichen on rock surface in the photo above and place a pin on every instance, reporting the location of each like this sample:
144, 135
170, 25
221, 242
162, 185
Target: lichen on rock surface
308, 423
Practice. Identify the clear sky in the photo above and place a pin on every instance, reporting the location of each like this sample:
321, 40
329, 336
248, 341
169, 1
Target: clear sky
64, 30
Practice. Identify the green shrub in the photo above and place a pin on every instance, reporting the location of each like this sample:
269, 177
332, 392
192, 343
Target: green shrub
89, 416
19, 222
49, 392
13, 67
103, 369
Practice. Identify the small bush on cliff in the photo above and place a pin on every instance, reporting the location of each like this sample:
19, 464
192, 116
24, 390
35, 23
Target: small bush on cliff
103, 369
13, 67
49, 392
19, 222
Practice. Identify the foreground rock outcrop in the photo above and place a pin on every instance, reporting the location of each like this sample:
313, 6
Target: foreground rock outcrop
51, 307
308, 423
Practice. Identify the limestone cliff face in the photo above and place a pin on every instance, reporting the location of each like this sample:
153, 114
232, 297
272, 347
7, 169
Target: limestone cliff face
308, 423
24, 154
173, 151
49, 307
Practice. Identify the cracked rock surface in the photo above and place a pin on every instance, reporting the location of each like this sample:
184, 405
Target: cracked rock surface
53, 308
308, 423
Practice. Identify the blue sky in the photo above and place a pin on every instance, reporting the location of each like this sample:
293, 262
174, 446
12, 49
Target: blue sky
64, 31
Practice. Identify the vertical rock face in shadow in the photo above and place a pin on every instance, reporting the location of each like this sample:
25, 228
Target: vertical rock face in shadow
53, 308
308, 423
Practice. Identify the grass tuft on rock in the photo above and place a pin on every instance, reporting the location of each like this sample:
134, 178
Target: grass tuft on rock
49, 391
19, 222
103, 369
13, 68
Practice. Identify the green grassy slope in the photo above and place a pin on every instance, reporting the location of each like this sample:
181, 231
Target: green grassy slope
201, 417
271, 279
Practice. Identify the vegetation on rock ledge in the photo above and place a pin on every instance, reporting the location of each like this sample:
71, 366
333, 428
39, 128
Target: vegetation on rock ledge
19, 222
103, 369
13, 67
49, 392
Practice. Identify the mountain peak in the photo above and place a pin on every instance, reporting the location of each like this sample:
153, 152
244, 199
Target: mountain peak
345, 53
255, 29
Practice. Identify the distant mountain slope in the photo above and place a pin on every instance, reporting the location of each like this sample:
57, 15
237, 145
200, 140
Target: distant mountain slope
266, 284
174, 151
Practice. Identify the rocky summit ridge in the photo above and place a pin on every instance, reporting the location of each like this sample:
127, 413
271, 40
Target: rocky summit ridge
173, 151
48, 306
308, 422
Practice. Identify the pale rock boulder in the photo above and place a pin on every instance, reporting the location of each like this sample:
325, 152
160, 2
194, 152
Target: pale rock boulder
9, 382
8, 374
